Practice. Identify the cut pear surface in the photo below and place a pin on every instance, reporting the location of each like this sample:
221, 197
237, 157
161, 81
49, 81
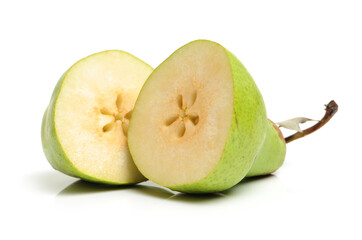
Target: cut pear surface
198, 122
85, 126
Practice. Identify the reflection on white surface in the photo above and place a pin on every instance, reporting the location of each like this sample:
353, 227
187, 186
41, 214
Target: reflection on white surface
48, 182
254, 190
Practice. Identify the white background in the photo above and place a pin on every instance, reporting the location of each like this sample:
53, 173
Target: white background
302, 54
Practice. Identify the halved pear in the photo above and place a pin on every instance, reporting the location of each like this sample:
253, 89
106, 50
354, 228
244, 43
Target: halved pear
84, 130
198, 122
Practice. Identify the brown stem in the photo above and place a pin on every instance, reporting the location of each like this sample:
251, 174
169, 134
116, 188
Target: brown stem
331, 109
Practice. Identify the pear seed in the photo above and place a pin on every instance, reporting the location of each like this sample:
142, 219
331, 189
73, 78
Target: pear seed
171, 120
108, 127
194, 118
179, 101
119, 102
106, 111
128, 115
192, 99
181, 129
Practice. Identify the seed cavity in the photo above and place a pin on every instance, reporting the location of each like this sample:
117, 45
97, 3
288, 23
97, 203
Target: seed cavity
171, 119
183, 114
192, 99
179, 101
194, 118
119, 102
128, 115
106, 111
108, 127
181, 129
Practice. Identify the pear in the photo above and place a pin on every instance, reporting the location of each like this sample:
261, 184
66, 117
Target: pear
84, 129
199, 121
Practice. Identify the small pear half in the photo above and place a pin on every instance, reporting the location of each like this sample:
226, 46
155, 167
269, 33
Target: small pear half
84, 129
198, 122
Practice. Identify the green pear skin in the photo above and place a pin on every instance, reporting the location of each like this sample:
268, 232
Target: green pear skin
51, 146
272, 154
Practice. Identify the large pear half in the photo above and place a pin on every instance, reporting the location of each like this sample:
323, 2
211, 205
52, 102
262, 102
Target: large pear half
84, 130
198, 122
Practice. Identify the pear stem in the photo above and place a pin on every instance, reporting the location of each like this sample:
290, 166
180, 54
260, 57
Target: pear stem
331, 109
